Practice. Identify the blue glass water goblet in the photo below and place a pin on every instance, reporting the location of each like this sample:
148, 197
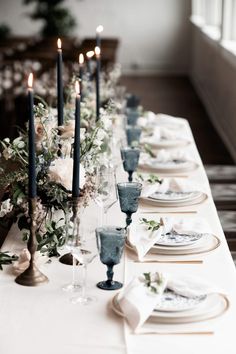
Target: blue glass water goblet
132, 115
110, 243
129, 193
130, 158
133, 135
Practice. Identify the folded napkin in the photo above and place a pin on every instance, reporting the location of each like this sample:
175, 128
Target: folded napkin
186, 226
142, 239
137, 301
170, 184
166, 156
166, 133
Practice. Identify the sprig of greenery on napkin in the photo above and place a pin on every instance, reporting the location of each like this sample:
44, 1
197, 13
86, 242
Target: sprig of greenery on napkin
147, 148
152, 225
152, 179
153, 281
6, 259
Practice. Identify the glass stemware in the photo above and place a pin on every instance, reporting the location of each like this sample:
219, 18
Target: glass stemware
72, 235
130, 158
110, 243
84, 254
106, 192
133, 135
129, 193
132, 115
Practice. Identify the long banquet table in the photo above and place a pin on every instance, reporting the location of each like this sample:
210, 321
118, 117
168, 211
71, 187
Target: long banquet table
42, 320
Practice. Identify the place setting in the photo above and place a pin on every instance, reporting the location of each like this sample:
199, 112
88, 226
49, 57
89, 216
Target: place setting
162, 137
167, 161
165, 240
167, 303
170, 192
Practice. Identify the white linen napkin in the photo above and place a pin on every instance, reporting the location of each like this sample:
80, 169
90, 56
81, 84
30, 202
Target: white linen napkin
165, 156
170, 184
137, 302
188, 226
166, 133
143, 239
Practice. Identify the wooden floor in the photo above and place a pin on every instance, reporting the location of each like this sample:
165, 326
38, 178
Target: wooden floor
176, 96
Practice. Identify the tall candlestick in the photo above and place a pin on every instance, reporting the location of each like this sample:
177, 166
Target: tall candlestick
31, 137
89, 55
60, 100
76, 165
99, 30
81, 73
98, 59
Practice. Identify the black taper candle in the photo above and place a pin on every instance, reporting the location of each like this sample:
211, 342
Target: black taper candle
99, 29
31, 140
89, 55
98, 68
60, 99
76, 156
81, 73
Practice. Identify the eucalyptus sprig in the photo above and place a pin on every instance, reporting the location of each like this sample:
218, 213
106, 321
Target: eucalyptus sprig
153, 281
147, 148
152, 179
152, 225
6, 259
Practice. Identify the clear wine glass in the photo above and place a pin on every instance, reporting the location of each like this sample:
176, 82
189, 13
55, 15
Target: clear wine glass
84, 254
106, 192
72, 235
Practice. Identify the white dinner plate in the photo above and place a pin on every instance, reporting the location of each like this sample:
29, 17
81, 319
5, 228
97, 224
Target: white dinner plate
197, 198
168, 167
164, 143
207, 243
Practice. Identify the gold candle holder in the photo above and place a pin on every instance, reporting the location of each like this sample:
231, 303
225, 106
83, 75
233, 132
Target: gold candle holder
68, 258
32, 275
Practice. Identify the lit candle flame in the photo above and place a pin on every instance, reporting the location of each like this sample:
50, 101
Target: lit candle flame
97, 51
90, 54
81, 59
59, 43
99, 29
30, 80
77, 87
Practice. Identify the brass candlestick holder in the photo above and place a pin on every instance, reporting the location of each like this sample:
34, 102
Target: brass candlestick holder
32, 275
68, 258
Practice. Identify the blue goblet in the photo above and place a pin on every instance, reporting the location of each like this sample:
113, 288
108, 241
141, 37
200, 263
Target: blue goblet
129, 193
110, 243
130, 158
133, 135
132, 115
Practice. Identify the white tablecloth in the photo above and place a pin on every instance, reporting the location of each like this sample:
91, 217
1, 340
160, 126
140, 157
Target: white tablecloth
42, 320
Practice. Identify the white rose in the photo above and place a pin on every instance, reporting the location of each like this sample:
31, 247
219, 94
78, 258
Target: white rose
61, 172
107, 122
6, 207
